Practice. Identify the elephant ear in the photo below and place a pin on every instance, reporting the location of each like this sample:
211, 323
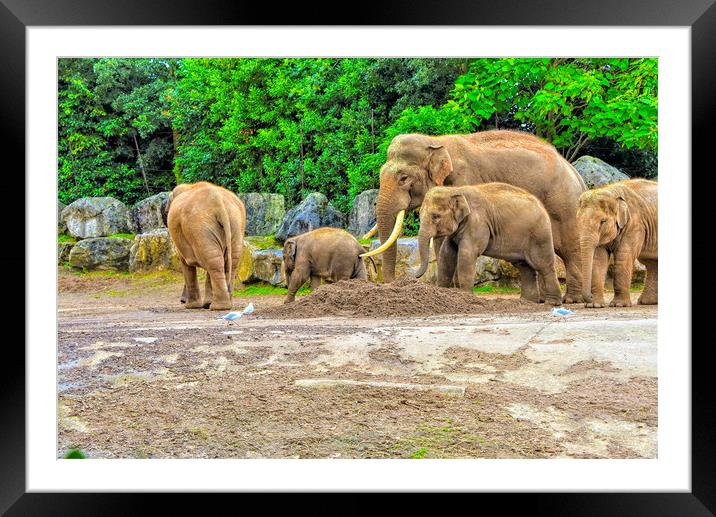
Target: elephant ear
289, 254
439, 164
622, 213
460, 206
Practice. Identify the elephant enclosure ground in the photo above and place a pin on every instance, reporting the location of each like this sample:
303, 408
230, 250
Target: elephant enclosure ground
139, 376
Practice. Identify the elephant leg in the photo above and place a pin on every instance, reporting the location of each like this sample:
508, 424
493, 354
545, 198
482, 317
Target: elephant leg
528, 282
542, 288
235, 263
466, 267
447, 262
568, 250
216, 274
298, 278
623, 268
315, 282
182, 299
208, 292
549, 290
650, 294
599, 275
191, 286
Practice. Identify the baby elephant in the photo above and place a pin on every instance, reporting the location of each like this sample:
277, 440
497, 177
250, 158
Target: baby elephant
493, 219
329, 253
620, 219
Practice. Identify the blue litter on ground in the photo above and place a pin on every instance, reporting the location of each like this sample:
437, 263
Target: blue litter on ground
559, 311
236, 315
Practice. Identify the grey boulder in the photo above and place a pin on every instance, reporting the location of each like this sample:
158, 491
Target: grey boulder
101, 253
362, 216
597, 173
268, 266
150, 213
314, 212
264, 212
96, 217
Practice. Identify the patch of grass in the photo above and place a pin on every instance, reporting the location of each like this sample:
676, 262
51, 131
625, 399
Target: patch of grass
66, 238
494, 289
438, 441
129, 236
264, 242
420, 453
75, 454
199, 432
365, 241
116, 274
266, 289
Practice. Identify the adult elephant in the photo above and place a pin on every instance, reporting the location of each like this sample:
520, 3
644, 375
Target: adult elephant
418, 162
206, 223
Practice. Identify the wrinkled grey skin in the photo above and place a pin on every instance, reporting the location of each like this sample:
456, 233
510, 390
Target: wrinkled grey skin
325, 253
493, 219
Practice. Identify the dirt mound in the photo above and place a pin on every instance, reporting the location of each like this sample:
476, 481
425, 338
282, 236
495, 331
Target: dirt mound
404, 297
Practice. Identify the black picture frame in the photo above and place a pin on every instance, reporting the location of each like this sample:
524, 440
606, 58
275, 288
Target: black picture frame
17, 15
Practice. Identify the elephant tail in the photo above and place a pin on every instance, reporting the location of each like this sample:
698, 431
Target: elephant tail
225, 222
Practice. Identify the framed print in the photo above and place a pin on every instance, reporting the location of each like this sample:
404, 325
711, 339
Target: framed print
390, 223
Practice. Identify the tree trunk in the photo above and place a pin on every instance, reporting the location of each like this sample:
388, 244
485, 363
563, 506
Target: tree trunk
141, 163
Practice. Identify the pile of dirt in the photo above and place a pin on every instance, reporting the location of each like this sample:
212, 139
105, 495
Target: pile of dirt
404, 297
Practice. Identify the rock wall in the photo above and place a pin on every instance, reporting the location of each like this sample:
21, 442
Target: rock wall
92, 219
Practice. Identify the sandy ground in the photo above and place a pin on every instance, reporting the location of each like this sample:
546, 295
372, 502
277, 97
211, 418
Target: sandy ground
139, 376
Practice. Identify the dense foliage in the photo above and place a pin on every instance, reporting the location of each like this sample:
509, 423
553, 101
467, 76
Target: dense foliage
131, 127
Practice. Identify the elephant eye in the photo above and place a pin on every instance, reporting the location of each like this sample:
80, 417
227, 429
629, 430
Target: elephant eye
403, 179
603, 221
436, 217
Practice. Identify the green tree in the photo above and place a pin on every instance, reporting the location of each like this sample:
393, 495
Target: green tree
115, 136
569, 102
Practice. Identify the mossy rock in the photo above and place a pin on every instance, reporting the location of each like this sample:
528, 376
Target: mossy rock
153, 251
101, 253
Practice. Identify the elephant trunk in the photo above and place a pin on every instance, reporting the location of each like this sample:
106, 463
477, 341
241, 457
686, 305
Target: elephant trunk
588, 245
424, 250
385, 215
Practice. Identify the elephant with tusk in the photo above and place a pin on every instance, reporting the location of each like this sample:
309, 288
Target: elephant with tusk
620, 219
493, 219
416, 163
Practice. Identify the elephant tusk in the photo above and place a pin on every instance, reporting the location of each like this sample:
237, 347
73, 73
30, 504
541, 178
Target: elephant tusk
372, 232
393, 236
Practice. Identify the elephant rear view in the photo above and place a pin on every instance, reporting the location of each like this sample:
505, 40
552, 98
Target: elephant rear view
206, 223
